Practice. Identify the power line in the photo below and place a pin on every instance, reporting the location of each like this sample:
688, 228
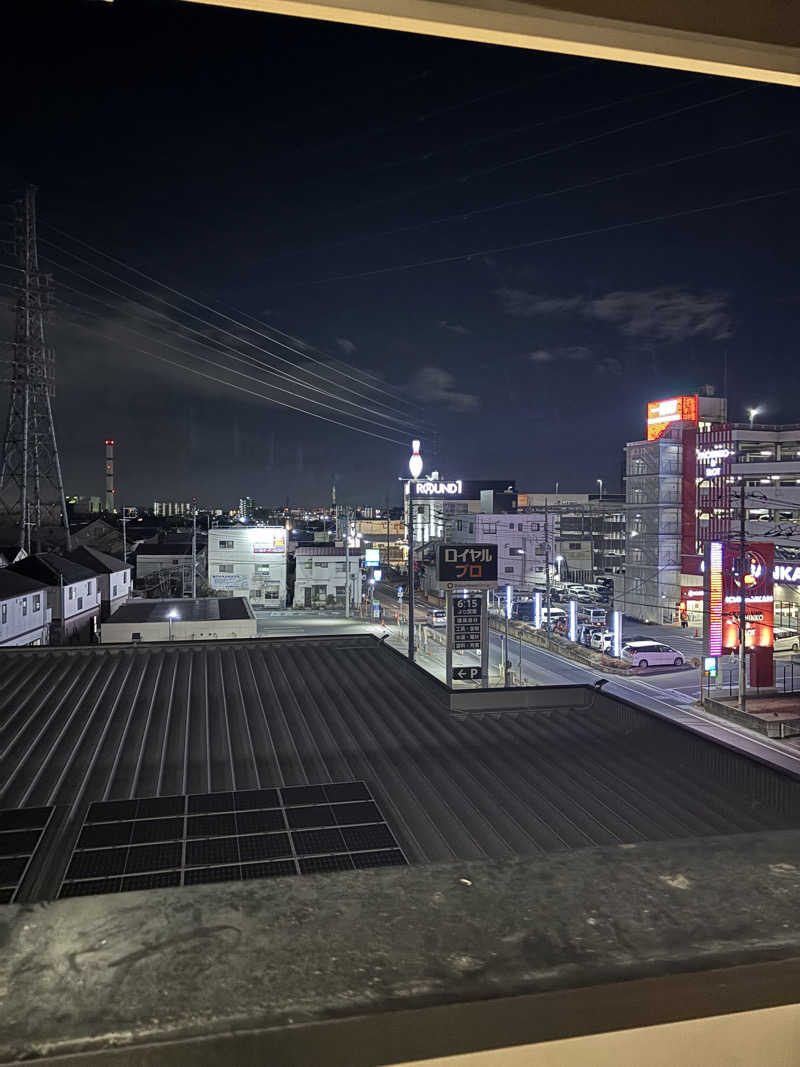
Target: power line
565, 146
219, 347
240, 388
190, 314
468, 213
232, 370
550, 240
305, 355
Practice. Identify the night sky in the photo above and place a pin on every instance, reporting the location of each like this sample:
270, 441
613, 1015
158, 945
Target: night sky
415, 207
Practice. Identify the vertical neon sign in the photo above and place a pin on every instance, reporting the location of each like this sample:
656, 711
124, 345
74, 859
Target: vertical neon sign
616, 634
715, 599
573, 620
537, 610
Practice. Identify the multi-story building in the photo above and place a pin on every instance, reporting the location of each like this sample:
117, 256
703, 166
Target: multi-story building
660, 503
522, 546
170, 508
590, 536
683, 489
73, 596
444, 509
249, 561
765, 460
387, 535
322, 573
113, 577
24, 611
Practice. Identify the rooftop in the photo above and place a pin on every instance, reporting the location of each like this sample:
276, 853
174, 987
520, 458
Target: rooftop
166, 548
97, 561
203, 609
50, 568
326, 550
105, 723
13, 584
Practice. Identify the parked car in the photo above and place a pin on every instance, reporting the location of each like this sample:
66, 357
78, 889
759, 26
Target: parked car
786, 640
437, 617
592, 615
651, 654
602, 640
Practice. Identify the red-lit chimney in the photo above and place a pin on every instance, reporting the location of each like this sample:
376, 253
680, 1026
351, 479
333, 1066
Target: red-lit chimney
110, 504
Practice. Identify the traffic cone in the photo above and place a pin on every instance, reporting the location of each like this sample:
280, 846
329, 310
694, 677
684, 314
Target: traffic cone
696, 633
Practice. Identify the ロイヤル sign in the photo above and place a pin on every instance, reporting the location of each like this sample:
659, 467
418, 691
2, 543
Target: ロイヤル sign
467, 566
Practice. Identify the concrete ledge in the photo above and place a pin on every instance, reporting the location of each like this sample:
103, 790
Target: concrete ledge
380, 967
780, 726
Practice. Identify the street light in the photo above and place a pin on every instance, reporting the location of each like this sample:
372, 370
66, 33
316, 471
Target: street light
559, 561
600, 483
752, 412
415, 468
172, 615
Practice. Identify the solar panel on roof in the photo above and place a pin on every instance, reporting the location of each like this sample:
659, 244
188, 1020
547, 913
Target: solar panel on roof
216, 837
21, 830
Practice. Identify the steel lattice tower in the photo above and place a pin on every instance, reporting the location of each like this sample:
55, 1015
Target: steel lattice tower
31, 486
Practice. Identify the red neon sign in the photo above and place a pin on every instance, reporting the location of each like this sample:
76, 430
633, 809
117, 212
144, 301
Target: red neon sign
662, 413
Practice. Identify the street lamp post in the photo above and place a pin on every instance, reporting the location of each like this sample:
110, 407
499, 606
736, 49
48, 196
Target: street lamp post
752, 412
559, 561
415, 468
172, 615
600, 483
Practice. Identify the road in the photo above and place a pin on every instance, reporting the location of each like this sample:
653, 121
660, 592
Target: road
671, 694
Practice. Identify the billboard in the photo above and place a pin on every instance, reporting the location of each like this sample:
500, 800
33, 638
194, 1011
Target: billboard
723, 588
270, 541
465, 566
372, 557
661, 414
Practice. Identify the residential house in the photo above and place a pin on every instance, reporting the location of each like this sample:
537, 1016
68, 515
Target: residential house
73, 596
321, 575
113, 577
24, 612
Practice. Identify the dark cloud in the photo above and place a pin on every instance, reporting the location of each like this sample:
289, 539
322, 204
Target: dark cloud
346, 345
453, 327
434, 385
667, 313
664, 314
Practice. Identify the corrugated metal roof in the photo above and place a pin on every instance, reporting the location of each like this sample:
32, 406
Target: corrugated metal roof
78, 725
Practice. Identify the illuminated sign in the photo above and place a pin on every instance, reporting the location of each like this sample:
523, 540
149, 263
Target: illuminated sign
755, 579
268, 541
438, 488
573, 620
713, 627
711, 455
467, 565
372, 556
616, 634
662, 413
786, 573
713, 472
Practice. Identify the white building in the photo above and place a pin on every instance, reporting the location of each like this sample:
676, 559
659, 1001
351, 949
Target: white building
520, 540
321, 576
206, 619
249, 561
73, 596
170, 508
24, 613
113, 577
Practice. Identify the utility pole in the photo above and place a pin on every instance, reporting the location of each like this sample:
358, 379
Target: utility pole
124, 537
547, 569
30, 459
347, 563
194, 550
411, 642
742, 603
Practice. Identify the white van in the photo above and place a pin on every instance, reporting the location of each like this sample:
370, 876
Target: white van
591, 615
437, 617
651, 654
786, 640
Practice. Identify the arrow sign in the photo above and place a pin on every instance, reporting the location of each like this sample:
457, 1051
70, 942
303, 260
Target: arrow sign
466, 674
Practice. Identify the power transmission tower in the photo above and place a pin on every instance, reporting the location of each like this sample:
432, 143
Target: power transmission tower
31, 486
